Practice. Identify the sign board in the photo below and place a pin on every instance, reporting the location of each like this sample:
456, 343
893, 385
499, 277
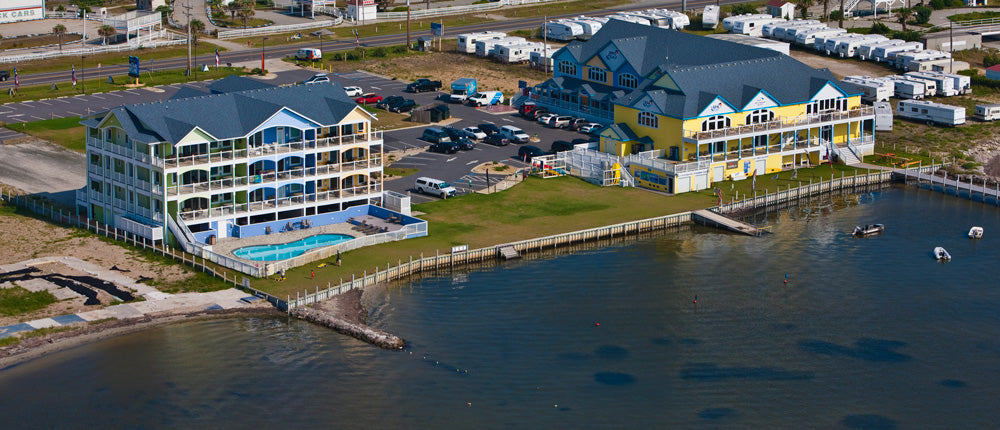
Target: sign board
522, 84
459, 248
436, 28
133, 66
21, 10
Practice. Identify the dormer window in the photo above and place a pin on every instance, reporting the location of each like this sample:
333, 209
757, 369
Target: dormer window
717, 122
597, 75
567, 68
759, 116
627, 80
834, 104
648, 119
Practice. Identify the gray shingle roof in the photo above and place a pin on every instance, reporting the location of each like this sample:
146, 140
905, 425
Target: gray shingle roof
229, 115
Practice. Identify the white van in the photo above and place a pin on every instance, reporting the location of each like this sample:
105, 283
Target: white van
308, 54
486, 98
514, 134
436, 187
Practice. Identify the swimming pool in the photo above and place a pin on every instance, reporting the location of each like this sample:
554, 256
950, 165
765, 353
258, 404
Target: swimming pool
284, 251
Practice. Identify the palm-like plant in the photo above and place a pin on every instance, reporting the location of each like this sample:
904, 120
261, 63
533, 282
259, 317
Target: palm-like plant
904, 15
197, 27
106, 31
246, 10
59, 30
804, 5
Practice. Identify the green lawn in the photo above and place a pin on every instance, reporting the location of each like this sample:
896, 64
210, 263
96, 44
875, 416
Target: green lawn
56, 64
66, 132
18, 301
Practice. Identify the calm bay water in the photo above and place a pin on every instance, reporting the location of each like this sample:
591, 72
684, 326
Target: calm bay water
867, 333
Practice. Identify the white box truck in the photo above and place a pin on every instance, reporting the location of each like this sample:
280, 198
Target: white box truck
921, 110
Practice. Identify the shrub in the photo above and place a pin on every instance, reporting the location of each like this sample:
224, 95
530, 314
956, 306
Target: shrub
742, 8
938, 4
398, 49
991, 58
379, 52
908, 35
836, 15
922, 14
880, 28
398, 9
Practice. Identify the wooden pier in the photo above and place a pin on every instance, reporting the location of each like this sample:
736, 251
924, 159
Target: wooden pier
707, 217
926, 177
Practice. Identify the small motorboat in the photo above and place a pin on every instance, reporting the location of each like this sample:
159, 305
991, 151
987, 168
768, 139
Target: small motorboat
941, 254
868, 230
976, 232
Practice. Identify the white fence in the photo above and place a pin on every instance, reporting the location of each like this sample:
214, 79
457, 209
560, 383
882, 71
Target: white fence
249, 32
76, 52
455, 10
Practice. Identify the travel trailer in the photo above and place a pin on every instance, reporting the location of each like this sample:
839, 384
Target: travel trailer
988, 112
752, 27
888, 53
847, 48
808, 37
910, 60
872, 90
467, 41
907, 89
866, 50
710, 17
518, 53
728, 22
484, 48
590, 26
791, 33
563, 30
921, 110
675, 20
945, 85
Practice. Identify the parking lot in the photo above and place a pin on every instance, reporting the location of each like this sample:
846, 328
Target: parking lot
453, 168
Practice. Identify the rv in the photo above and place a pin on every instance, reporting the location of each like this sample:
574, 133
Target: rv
792, 33
931, 112
962, 83
912, 59
518, 53
872, 90
888, 53
866, 50
779, 29
563, 30
945, 84
675, 20
484, 48
808, 37
653, 19
883, 116
819, 42
988, 112
907, 89
752, 27
590, 26
540, 60
710, 17
847, 48
727, 23
467, 41
629, 18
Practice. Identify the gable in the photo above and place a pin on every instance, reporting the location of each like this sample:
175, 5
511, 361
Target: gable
612, 56
194, 137
719, 106
667, 82
286, 118
357, 115
829, 91
110, 120
646, 103
563, 54
760, 101
596, 61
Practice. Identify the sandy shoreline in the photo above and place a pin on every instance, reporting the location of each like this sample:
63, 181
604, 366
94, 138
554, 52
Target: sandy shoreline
36, 347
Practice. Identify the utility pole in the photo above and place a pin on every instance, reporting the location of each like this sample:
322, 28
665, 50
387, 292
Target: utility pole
951, 46
408, 25
187, 10
545, 43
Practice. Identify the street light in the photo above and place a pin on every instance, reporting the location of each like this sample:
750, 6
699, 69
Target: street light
262, 43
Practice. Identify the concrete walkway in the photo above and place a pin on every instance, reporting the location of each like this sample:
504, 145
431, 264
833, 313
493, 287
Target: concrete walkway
156, 302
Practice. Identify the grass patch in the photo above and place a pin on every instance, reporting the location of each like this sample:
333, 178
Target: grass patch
147, 58
18, 301
66, 132
14, 340
973, 15
39, 40
399, 171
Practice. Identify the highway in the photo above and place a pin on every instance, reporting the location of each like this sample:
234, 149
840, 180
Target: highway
283, 51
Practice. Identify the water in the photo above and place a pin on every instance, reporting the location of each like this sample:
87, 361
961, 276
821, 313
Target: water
868, 333
284, 251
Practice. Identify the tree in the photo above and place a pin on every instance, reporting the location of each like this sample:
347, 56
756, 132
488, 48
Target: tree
233, 7
826, 9
59, 30
840, 19
197, 27
383, 5
904, 14
804, 5
246, 10
106, 31
164, 13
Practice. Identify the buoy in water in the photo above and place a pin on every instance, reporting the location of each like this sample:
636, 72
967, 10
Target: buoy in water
597, 324
695, 299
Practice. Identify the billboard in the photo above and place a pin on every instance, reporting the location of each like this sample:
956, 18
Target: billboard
133, 66
21, 10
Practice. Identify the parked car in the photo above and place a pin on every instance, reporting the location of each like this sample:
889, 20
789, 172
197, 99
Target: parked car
353, 91
444, 147
368, 98
576, 123
592, 128
538, 113
560, 146
403, 106
442, 189
309, 54
423, 84
514, 134
474, 133
4, 75
544, 119
527, 110
561, 121
497, 139
527, 152
453, 133
435, 135
489, 128
465, 143
317, 79
388, 101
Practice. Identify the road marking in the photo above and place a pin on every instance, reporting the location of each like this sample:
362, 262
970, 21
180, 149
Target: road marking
132, 92
97, 96
45, 103
451, 159
376, 88
113, 94
62, 99
17, 114
39, 118
73, 113
506, 119
472, 162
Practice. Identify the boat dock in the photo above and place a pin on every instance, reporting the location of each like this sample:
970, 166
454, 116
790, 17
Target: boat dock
707, 217
926, 177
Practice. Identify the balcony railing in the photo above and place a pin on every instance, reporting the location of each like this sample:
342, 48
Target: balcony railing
780, 124
274, 177
270, 150
760, 150
281, 203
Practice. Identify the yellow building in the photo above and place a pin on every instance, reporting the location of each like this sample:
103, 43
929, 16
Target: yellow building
689, 110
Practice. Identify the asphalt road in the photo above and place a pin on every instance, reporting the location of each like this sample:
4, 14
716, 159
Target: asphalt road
61, 77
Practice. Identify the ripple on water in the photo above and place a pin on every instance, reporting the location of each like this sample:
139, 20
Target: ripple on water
614, 378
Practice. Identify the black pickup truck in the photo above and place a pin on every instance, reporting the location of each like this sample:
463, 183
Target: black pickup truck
423, 84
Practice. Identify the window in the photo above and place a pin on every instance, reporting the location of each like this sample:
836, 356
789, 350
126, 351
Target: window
567, 68
627, 81
759, 116
649, 119
826, 105
596, 74
717, 122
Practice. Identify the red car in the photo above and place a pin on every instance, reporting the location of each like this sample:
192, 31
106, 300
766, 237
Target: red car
368, 98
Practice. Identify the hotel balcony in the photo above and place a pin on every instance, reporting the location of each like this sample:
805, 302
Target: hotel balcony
780, 125
372, 189
374, 137
318, 172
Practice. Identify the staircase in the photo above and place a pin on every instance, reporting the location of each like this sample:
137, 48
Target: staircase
848, 156
509, 252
